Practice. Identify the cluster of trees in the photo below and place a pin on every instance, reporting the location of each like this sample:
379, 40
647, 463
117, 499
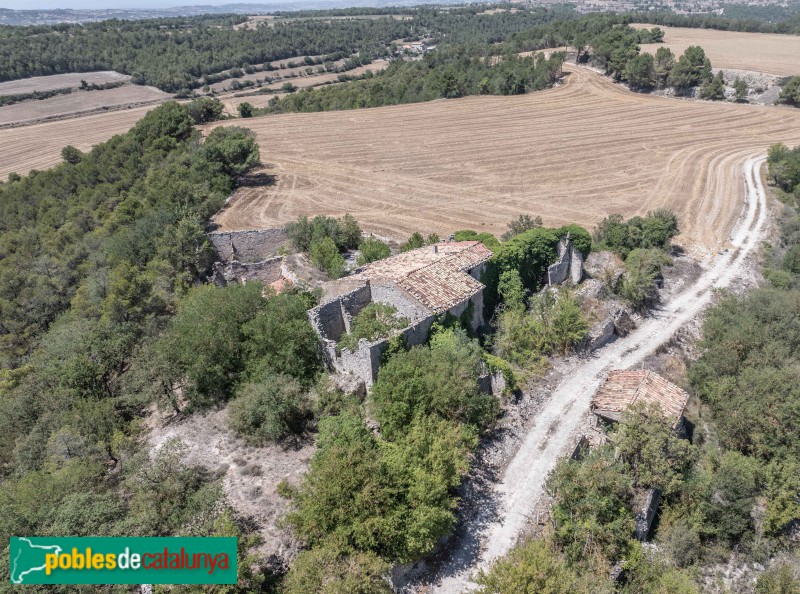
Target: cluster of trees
452, 73
323, 239
97, 255
748, 18
177, 54
643, 243
790, 93
784, 169
371, 500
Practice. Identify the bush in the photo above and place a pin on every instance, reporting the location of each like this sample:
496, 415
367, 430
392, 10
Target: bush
331, 569
440, 379
372, 250
656, 230
327, 258
790, 93
642, 268
393, 499
376, 320
591, 510
551, 325
269, 409
522, 223
536, 567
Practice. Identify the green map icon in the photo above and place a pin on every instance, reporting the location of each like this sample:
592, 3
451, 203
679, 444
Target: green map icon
28, 558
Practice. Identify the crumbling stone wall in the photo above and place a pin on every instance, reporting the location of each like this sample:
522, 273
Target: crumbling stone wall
568, 266
247, 246
266, 271
644, 519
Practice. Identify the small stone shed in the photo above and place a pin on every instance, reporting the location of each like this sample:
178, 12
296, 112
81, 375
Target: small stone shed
622, 389
420, 284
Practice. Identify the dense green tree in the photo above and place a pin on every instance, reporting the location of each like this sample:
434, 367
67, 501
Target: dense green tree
440, 379
692, 69
268, 409
591, 510
205, 340
372, 250
325, 256
714, 89
640, 72
664, 61
233, 149
790, 93
205, 110
739, 90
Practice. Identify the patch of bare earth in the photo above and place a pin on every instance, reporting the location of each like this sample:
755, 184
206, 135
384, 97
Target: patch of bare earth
249, 474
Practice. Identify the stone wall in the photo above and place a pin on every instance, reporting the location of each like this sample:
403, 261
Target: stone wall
266, 271
644, 519
568, 266
247, 246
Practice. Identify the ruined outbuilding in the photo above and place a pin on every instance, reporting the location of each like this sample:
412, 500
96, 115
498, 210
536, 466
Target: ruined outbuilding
252, 255
622, 389
420, 284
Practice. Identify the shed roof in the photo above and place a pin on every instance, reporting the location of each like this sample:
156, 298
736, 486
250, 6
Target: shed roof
621, 389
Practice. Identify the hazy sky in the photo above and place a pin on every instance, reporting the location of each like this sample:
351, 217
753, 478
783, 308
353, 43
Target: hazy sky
34, 4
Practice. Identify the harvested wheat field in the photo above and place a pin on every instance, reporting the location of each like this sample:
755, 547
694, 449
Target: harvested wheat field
39, 146
575, 153
79, 102
60, 81
232, 102
759, 52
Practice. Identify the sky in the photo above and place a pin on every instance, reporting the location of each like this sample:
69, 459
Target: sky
46, 4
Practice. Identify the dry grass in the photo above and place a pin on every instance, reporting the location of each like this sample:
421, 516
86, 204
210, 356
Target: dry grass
59, 81
571, 154
79, 102
759, 52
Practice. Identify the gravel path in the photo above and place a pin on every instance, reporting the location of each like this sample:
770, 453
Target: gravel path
521, 485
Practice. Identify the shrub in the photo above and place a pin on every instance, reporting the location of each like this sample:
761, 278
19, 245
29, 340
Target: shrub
372, 250
376, 320
268, 410
440, 379
331, 569
415, 241
537, 567
642, 268
393, 499
522, 223
591, 510
326, 257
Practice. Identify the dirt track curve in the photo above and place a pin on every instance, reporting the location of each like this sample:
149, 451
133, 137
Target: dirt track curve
552, 435
574, 153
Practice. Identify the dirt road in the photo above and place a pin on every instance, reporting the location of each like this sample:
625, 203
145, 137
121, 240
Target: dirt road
552, 435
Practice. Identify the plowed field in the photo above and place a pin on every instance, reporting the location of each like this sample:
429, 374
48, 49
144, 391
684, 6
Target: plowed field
759, 52
574, 153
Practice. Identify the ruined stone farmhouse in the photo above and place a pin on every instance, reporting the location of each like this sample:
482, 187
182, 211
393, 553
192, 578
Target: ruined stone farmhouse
420, 284
622, 389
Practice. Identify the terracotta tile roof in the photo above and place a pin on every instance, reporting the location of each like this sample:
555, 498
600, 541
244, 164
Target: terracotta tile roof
623, 388
436, 275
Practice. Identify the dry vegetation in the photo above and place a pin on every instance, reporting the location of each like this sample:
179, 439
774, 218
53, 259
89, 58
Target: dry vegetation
60, 81
759, 52
79, 102
572, 154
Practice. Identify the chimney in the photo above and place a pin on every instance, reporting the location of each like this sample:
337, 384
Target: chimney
435, 249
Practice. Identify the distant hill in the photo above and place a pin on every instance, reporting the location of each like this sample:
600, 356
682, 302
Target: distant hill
66, 15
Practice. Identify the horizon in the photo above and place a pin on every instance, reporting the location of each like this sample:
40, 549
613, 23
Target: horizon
134, 4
